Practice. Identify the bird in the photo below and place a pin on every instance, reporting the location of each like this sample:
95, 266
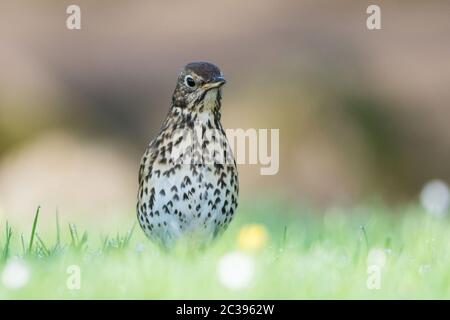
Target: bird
188, 179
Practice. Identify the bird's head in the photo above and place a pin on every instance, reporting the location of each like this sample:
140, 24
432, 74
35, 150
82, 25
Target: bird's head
199, 87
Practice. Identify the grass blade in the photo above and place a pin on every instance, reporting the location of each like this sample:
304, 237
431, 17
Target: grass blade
8, 234
129, 235
73, 235
33, 230
283, 241
42, 245
22, 240
363, 229
58, 230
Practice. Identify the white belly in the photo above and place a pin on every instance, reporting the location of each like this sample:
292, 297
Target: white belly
192, 202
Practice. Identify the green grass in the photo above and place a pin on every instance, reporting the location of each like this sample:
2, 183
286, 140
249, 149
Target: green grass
309, 255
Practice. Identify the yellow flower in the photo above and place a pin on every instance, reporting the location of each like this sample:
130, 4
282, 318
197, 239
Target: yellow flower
252, 237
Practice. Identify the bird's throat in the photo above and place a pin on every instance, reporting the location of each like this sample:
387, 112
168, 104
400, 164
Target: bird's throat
211, 101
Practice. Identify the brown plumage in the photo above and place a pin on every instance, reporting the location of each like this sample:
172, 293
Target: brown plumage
188, 181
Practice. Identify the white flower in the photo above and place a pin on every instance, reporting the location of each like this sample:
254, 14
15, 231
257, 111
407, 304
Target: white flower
235, 270
435, 197
424, 269
15, 274
376, 257
139, 247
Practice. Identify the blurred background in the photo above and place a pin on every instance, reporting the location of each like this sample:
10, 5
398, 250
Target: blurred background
362, 114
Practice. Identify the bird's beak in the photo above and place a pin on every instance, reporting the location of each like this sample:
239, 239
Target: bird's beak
215, 83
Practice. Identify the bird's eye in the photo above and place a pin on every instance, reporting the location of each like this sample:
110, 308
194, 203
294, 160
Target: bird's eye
189, 81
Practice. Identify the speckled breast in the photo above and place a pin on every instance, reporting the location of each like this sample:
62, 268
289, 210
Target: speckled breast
193, 201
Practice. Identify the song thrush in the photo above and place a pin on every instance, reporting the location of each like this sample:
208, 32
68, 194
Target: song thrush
188, 180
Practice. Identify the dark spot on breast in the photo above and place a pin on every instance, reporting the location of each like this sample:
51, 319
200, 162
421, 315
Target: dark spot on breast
187, 180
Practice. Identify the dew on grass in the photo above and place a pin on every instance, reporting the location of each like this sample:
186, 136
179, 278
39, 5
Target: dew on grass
15, 274
235, 270
435, 197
